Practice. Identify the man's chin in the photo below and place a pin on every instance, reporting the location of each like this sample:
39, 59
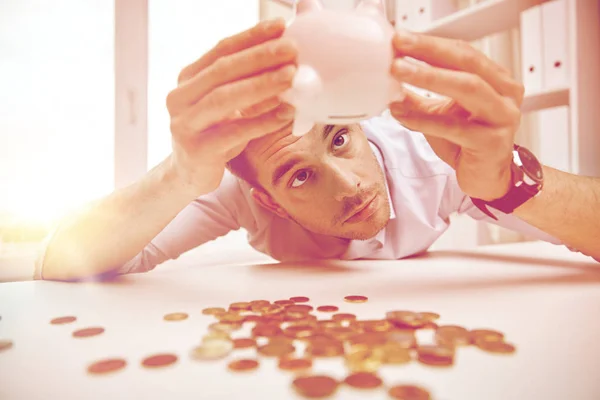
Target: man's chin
366, 232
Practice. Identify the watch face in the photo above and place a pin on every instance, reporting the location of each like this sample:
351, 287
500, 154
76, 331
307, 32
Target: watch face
531, 165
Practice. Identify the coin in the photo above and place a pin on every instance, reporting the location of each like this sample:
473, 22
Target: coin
406, 319
224, 327
405, 339
299, 331
242, 365
299, 299
252, 318
431, 316
435, 355
299, 308
231, 317
343, 317
159, 360
276, 349
325, 348
284, 302
295, 364
362, 360
213, 311
178, 316
213, 349
266, 330
63, 320
356, 299
453, 335
243, 343
240, 306
327, 308
315, 386
393, 353
88, 332
495, 346
363, 380
259, 303
486, 334
5, 344
409, 392
107, 366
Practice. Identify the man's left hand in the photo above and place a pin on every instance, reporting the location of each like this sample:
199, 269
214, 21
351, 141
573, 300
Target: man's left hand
474, 126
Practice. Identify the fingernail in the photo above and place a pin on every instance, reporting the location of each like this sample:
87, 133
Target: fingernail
403, 67
274, 25
286, 112
404, 37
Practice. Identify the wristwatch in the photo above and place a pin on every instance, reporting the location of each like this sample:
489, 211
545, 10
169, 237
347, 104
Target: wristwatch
527, 182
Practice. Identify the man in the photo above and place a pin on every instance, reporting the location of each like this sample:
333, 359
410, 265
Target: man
373, 190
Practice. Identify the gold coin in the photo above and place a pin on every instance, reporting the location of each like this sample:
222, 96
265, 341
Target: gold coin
362, 360
259, 303
376, 325
159, 360
343, 317
369, 339
63, 320
406, 319
363, 380
430, 316
409, 392
243, 343
276, 349
299, 299
299, 308
231, 317
253, 318
295, 364
315, 386
178, 316
495, 346
435, 355
106, 366
224, 327
5, 344
299, 331
327, 308
240, 306
284, 302
453, 335
212, 350
486, 334
356, 299
405, 339
266, 330
243, 365
88, 332
324, 347
213, 311
392, 353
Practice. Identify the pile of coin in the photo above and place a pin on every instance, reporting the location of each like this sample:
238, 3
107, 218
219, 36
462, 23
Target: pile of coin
279, 329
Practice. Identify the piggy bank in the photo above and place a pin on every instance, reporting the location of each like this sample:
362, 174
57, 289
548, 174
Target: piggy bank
344, 62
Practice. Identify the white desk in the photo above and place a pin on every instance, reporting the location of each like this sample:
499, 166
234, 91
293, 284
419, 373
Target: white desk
544, 298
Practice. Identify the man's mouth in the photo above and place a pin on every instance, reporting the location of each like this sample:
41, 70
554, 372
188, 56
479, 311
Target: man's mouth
365, 210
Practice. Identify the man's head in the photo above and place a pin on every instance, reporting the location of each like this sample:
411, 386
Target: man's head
320, 180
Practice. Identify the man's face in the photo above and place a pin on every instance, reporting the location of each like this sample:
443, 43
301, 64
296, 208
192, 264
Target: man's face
328, 181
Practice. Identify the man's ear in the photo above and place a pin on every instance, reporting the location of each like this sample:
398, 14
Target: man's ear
267, 202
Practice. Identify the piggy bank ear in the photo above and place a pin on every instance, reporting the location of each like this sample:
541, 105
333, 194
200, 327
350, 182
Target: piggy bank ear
302, 6
372, 7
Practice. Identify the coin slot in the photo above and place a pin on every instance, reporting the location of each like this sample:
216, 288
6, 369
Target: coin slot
348, 116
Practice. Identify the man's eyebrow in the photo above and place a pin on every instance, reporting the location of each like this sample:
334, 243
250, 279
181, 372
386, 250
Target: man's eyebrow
327, 130
283, 169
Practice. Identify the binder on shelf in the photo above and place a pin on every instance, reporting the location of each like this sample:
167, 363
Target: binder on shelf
424, 12
404, 17
532, 50
555, 52
554, 138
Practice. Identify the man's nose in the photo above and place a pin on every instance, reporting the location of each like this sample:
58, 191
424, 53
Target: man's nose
348, 183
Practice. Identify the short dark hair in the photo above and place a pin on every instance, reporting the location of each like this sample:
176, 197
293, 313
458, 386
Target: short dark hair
241, 167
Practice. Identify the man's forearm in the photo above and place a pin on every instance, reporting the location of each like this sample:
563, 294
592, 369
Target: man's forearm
116, 228
568, 208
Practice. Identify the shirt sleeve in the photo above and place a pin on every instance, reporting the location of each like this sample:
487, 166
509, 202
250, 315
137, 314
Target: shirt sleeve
206, 218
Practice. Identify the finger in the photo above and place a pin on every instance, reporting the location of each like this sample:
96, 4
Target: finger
221, 102
458, 55
261, 108
469, 90
470, 135
420, 105
233, 67
260, 33
235, 133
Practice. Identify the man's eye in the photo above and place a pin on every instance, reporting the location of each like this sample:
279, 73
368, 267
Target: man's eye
340, 140
301, 177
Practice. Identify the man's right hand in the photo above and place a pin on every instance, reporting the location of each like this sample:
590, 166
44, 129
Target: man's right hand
228, 97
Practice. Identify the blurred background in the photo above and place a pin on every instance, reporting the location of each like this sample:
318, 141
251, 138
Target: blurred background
83, 87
